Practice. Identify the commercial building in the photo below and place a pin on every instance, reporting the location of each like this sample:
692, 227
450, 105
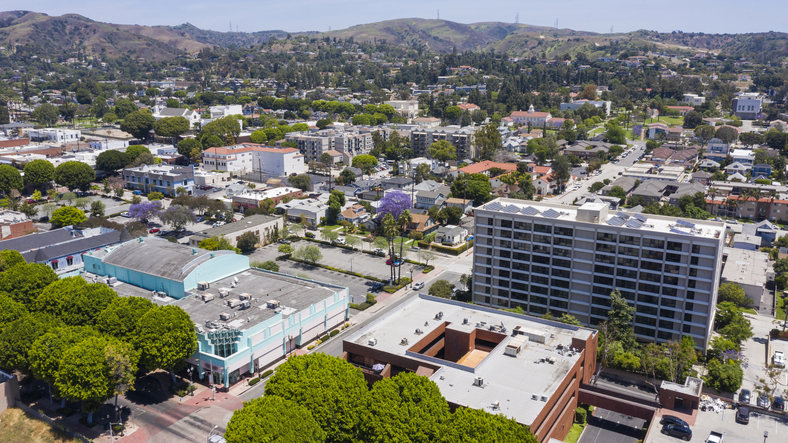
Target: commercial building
251, 198
526, 368
14, 224
160, 178
203, 178
566, 259
249, 157
262, 225
693, 99
312, 209
53, 135
531, 117
245, 318
405, 108
748, 269
349, 141
460, 138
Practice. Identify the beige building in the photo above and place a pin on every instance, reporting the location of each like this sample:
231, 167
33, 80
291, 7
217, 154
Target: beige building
262, 225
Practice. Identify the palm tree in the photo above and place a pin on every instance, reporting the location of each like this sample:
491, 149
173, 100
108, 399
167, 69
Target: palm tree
390, 231
713, 193
731, 206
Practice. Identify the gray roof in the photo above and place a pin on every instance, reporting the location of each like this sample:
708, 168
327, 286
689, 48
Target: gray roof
230, 228
155, 256
450, 230
39, 240
174, 112
651, 188
688, 189
77, 246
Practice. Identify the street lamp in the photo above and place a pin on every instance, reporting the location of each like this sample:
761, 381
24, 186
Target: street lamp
411, 278
351, 264
190, 371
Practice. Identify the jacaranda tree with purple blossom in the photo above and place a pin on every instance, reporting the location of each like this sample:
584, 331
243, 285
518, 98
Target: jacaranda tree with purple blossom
145, 210
177, 216
394, 203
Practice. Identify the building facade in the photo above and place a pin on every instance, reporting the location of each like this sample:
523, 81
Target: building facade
460, 138
254, 158
52, 135
747, 105
160, 178
553, 258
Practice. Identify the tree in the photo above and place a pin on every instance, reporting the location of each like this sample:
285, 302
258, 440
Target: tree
39, 172
45, 114
441, 288
10, 178
155, 195
18, 337
727, 134
186, 146
177, 216
217, 243
347, 176
442, 150
74, 175
302, 182
145, 210
474, 187
724, 377
365, 162
562, 169
9, 258
487, 141
83, 374
248, 241
10, 310
97, 208
620, 319
24, 282
226, 129
273, 419
731, 292
134, 151
737, 330
618, 191
67, 216
615, 134
308, 253
165, 336
111, 160
74, 301
704, 133
452, 113
692, 120
119, 319
121, 360
138, 124
597, 186
46, 353
352, 241
394, 203
450, 215
268, 265
404, 408
329, 234
471, 425
569, 319
333, 390
171, 126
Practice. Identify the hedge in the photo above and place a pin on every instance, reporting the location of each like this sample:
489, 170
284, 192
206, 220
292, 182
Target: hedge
449, 250
266, 374
254, 381
333, 333
581, 416
404, 281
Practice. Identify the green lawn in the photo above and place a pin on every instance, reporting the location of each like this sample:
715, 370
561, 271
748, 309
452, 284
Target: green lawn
574, 433
673, 121
780, 312
749, 311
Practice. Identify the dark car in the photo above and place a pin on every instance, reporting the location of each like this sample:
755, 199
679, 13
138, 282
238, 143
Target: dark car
673, 420
744, 396
681, 432
743, 415
778, 404
377, 286
310, 235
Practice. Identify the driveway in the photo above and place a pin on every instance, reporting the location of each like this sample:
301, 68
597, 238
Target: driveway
611, 427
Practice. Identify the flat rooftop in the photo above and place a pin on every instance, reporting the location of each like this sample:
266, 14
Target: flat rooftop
293, 294
510, 381
634, 221
745, 267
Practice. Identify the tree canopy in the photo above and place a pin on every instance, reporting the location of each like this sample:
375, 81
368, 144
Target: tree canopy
39, 172
442, 150
111, 160
470, 425
171, 126
273, 419
67, 216
165, 336
10, 178
138, 124
74, 175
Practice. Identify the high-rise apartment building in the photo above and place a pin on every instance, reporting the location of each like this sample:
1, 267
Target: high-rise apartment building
567, 259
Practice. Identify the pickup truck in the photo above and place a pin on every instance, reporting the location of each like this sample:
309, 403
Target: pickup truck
714, 437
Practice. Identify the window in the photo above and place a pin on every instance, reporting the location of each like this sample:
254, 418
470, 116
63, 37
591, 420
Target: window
546, 229
604, 236
654, 243
629, 240
564, 231
506, 223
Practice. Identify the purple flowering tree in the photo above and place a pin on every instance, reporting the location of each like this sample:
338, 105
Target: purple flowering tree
636, 130
145, 210
394, 203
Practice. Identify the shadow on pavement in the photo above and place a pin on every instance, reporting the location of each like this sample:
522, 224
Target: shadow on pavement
611, 426
147, 391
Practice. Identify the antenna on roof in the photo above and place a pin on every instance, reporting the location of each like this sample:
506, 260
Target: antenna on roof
611, 29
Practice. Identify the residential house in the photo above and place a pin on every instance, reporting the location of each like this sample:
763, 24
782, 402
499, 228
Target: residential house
747, 105
651, 190
708, 165
421, 223
312, 209
427, 122
585, 149
683, 110
701, 177
655, 130
693, 99
505, 190
740, 168
428, 199
677, 190
761, 170
160, 112
549, 184
717, 146
744, 156
763, 229
484, 168
252, 198
405, 108
355, 214
465, 205
628, 184
451, 235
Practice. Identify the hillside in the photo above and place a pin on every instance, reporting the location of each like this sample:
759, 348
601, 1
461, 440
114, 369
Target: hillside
225, 39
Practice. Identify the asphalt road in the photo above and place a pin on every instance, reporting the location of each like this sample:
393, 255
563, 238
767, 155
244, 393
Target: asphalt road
611, 427
609, 171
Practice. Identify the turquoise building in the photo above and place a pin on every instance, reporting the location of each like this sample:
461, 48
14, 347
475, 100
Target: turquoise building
245, 318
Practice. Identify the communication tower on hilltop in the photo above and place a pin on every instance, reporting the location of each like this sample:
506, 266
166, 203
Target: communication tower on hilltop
517, 19
556, 24
439, 14
231, 26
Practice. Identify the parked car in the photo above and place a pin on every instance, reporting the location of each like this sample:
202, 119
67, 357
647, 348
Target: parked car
415, 248
340, 241
763, 401
743, 415
379, 251
673, 420
154, 230
744, 396
137, 192
377, 286
681, 432
779, 359
310, 234
778, 404
125, 214
284, 240
417, 286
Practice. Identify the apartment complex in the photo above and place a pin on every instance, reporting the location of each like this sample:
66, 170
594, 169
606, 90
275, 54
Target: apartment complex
254, 158
160, 178
350, 142
461, 138
526, 368
565, 259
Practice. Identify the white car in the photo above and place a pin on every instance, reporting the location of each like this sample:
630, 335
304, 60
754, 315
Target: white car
340, 241
125, 214
418, 286
779, 359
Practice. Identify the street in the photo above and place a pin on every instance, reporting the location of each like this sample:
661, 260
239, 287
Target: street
609, 171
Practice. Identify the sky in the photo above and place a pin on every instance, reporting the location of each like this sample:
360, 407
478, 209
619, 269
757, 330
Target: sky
709, 16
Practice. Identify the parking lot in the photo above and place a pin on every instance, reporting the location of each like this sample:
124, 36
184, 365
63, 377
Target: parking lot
725, 423
611, 427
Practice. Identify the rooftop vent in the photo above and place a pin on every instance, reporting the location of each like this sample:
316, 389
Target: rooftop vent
478, 381
223, 292
404, 341
465, 321
203, 285
245, 296
372, 341
418, 332
246, 304
208, 297
273, 304
224, 316
543, 398
194, 251
534, 397
438, 316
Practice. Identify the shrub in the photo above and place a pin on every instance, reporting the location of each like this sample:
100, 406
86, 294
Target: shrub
266, 374
324, 338
310, 347
581, 416
333, 333
254, 381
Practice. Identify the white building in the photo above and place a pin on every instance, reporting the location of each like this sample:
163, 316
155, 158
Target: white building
104, 145
54, 135
747, 105
204, 178
193, 117
747, 269
225, 110
405, 108
693, 99
254, 158
565, 259
531, 116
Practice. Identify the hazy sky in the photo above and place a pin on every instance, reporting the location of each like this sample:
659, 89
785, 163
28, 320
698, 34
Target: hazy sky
710, 16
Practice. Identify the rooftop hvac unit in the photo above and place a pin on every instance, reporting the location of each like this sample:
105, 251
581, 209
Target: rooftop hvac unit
246, 304
245, 296
203, 285
372, 341
209, 324
273, 304
232, 303
439, 315
551, 360
224, 316
404, 341
478, 381
200, 330
543, 398
418, 332
534, 397
208, 297
224, 292
465, 321
112, 280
